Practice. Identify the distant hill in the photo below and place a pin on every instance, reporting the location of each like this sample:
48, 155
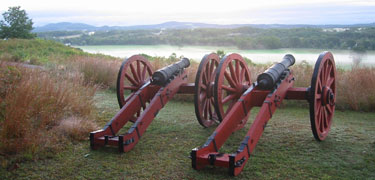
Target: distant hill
67, 26
64, 26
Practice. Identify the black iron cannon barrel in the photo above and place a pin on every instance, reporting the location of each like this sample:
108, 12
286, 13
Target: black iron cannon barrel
268, 79
162, 76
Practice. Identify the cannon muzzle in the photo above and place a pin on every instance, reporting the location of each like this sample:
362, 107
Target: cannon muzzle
268, 79
162, 76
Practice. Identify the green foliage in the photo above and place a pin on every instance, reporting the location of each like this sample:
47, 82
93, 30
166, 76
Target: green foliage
242, 38
220, 53
36, 51
16, 24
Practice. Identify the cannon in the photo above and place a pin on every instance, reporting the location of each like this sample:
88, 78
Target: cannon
234, 97
163, 76
223, 95
142, 93
268, 79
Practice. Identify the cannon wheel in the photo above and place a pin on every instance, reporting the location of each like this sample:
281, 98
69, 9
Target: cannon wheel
134, 72
323, 95
232, 79
203, 97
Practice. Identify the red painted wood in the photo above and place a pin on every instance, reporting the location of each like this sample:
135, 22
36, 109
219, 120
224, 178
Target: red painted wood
157, 103
156, 95
299, 93
186, 88
269, 101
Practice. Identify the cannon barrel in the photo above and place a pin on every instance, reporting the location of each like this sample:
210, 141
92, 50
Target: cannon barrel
268, 79
162, 76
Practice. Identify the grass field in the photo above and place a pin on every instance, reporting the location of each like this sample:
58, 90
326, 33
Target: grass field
287, 149
47, 113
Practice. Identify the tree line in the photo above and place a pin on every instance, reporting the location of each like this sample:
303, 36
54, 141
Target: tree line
360, 39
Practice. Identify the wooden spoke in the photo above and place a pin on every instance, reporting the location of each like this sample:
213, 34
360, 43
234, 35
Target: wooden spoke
228, 98
232, 75
227, 88
229, 79
128, 84
135, 73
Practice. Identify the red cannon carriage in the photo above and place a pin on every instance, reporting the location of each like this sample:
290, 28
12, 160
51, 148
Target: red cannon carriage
224, 95
233, 89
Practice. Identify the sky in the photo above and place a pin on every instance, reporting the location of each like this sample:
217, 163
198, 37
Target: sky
141, 12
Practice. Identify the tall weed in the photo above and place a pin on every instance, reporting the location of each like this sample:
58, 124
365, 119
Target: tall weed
37, 101
97, 70
356, 89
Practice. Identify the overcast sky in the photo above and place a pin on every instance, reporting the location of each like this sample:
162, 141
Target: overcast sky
138, 12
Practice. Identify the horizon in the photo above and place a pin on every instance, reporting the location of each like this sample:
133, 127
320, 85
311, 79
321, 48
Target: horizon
201, 23
141, 12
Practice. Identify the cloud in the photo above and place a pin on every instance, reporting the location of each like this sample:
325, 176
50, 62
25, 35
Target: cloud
138, 12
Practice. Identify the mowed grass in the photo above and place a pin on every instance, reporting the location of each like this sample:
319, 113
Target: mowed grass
287, 149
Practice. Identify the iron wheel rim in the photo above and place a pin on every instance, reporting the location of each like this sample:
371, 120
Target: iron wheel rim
203, 96
323, 95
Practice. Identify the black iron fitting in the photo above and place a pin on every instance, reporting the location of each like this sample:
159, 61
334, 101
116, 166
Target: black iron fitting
243, 106
92, 139
128, 141
264, 125
121, 143
232, 157
269, 107
245, 143
277, 101
105, 139
193, 156
161, 99
110, 127
156, 112
240, 162
211, 139
135, 127
140, 99
212, 157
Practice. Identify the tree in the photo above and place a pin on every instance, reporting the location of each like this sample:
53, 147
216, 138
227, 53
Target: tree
16, 24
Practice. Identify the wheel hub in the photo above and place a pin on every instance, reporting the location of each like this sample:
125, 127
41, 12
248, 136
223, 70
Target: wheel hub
328, 96
210, 90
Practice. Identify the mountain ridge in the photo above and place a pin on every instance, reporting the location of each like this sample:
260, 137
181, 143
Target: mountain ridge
68, 26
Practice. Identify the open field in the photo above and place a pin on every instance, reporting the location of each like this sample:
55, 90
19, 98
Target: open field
48, 108
287, 149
